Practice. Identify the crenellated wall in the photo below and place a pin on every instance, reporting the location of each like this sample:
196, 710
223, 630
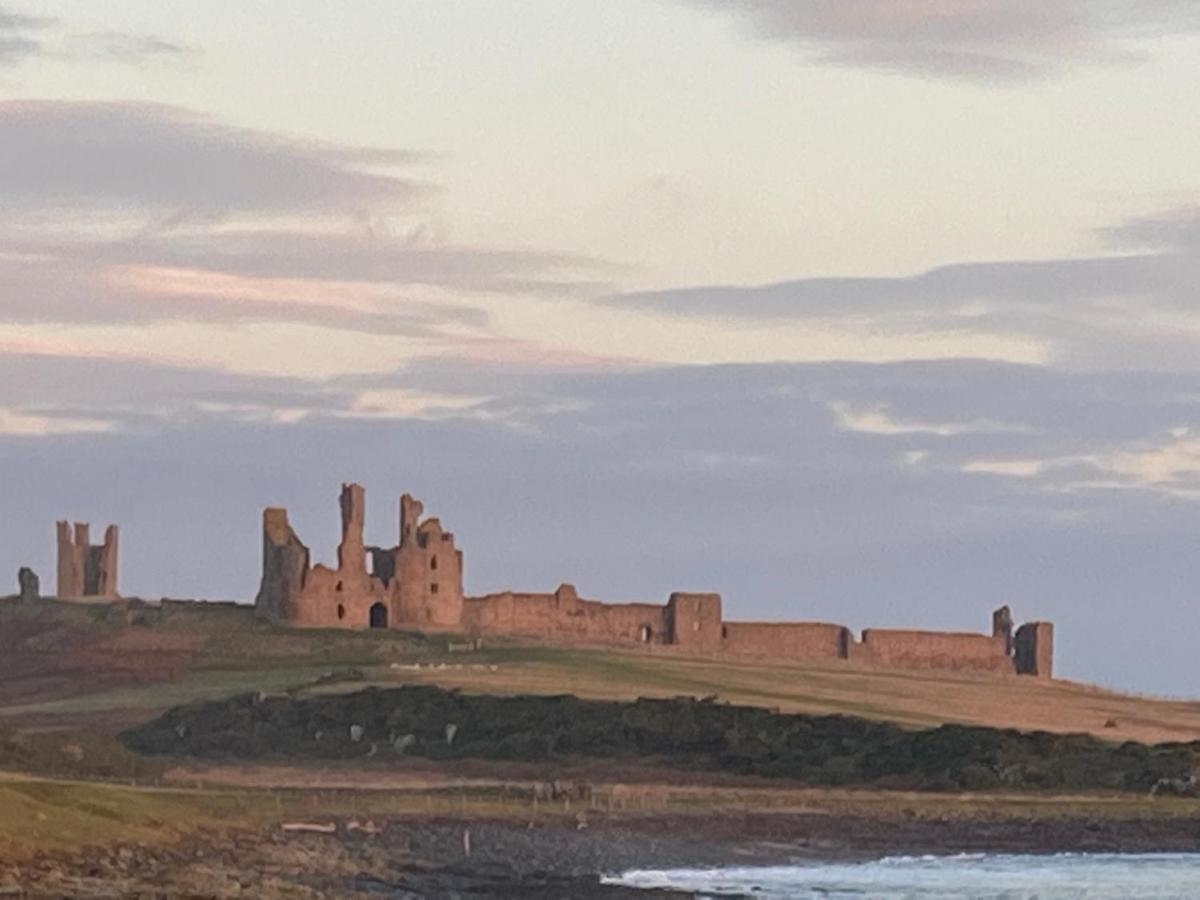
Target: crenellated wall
418, 585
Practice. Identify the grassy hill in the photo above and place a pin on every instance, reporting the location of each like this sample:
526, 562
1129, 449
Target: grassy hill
114, 666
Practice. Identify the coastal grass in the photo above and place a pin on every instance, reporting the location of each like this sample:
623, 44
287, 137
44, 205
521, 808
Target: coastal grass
917, 699
59, 660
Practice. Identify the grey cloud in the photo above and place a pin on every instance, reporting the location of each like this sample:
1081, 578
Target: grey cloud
68, 155
168, 178
1125, 310
937, 290
634, 483
1175, 229
19, 36
346, 255
130, 393
23, 36
983, 39
129, 49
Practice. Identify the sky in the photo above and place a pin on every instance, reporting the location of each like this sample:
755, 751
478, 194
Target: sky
880, 312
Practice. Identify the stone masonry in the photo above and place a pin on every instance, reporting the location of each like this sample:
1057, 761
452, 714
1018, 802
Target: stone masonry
417, 585
84, 569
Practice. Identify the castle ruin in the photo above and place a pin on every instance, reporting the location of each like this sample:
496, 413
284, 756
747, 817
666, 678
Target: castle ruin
86, 570
417, 585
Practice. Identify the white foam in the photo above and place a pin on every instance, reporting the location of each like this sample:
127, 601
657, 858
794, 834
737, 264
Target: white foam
1063, 876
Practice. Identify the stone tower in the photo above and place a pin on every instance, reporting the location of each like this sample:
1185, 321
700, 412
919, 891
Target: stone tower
84, 569
428, 572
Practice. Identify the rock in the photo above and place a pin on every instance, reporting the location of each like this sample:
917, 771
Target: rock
451, 731
1176, 787
30, 587
356, 733
403, 742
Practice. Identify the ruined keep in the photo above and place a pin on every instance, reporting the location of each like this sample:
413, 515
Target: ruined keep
86, 570
417, 585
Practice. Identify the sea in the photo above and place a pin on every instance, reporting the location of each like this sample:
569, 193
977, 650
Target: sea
1063, 876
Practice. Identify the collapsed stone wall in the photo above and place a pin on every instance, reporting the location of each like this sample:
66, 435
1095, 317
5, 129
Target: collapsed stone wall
418, 585
84, 569
564, 616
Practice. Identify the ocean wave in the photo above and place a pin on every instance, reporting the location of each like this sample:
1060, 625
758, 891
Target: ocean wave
1102, 876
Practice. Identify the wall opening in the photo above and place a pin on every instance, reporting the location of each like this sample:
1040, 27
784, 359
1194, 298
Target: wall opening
647, 634
433, 562
379, 616
433, 588
341, 612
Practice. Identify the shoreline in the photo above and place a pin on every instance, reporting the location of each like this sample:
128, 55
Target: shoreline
435, 856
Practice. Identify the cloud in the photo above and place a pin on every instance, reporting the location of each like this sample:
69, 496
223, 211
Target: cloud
23, 36
878, 421
1132, 309
994, 40
132, 213
32, 424
20, 36
154, 158
128, 49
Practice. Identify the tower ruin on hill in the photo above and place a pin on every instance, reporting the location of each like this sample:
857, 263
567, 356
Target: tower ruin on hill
417, 585
86, 570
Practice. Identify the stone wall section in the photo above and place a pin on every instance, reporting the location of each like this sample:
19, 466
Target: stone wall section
563, 616
787, 640
1035, 649
905, 649
417, 585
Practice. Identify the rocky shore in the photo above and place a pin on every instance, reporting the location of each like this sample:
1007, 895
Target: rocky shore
445, 857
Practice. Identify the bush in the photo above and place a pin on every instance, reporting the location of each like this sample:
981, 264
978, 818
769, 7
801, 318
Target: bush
816, 750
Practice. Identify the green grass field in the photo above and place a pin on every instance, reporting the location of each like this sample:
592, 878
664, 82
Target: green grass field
71, 676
